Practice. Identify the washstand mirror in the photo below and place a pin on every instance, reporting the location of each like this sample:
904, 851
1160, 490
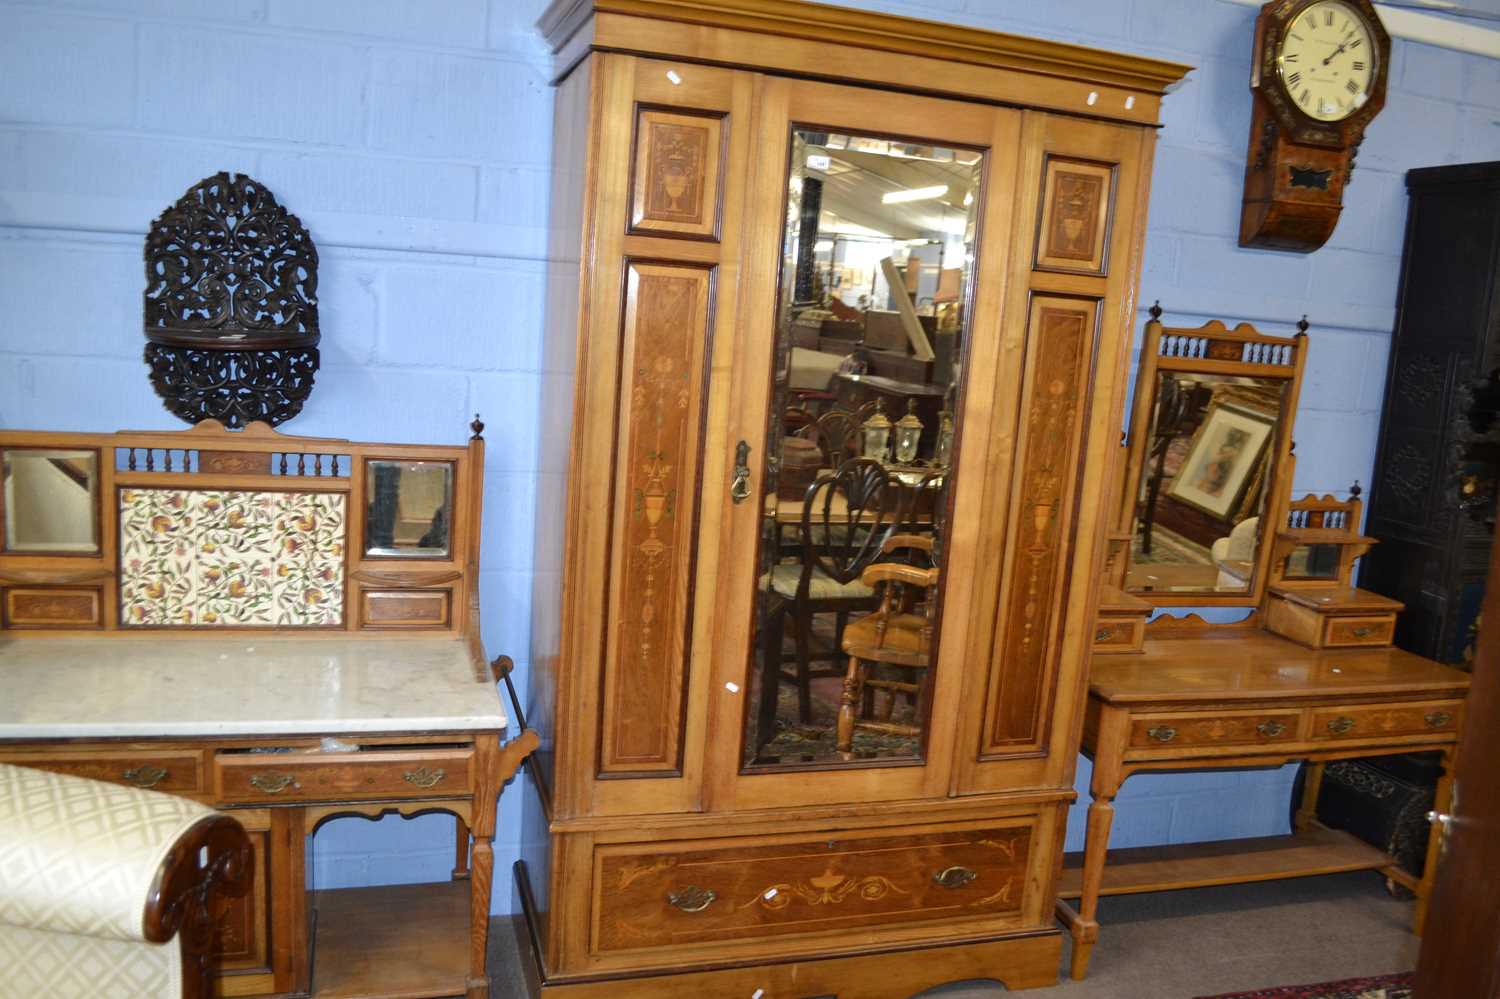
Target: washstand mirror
50, 500
1208, 466
410, 513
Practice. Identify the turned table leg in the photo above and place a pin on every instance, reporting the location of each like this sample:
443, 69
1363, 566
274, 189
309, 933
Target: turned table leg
1095, 849
1442, 801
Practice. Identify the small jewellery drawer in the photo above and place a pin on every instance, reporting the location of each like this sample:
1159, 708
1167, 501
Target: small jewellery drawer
1250, 728
658, 895
1119, 634
273, 777
176, 772
52, 607
1372, 721
1349, 631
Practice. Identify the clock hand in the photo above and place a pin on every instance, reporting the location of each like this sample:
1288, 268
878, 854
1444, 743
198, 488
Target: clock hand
1335, 52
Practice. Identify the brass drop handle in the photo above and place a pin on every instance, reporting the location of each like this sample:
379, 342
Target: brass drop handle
1162, 733
1437, 719
1340, 725
272, 783
144, 775
1270, 729
691, 898
422, 777
954, 877
739, 486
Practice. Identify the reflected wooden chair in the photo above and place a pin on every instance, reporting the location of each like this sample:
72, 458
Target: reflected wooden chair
847, 516
836, 433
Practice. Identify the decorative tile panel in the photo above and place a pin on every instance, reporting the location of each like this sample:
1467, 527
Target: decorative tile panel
1077, 201
676, 173
224, 558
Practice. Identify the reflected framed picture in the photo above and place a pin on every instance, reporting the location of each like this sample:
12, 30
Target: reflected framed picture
1222, 459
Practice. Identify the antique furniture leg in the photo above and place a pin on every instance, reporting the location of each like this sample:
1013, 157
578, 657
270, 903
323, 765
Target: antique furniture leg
487, 781
848, 704
1307, 812
1441, 804
803, 638
460, 849
1103, 787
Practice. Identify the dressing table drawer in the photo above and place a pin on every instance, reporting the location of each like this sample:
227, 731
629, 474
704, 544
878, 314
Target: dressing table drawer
1119, 634
273, 778
1248, 728
173, 772
1373, 721
721, 891
1343, 632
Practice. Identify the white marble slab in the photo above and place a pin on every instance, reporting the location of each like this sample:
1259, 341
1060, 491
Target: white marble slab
52, 688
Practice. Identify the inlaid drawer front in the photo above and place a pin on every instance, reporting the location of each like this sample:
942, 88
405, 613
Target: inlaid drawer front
1373, 630
1375, 721
1119, 634
273, 778
52, 607
1214, 730
179, 772
405, 608
724, 891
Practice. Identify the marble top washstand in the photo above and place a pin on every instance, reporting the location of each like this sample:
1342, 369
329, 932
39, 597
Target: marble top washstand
239, 684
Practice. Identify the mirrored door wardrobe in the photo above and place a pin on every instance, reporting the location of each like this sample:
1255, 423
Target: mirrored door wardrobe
838, 324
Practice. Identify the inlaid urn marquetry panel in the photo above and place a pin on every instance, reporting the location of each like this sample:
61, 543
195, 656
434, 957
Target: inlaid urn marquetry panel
1077, 202
664, 350
667, 897
676, 174
1052, 419
52, 607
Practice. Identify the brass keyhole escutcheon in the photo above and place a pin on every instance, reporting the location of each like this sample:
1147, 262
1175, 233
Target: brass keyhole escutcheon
739, 486
954, 877
691, 898
144, 775
1162, 733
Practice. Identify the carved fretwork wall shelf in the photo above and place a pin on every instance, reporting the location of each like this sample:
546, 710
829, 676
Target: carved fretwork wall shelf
231, 309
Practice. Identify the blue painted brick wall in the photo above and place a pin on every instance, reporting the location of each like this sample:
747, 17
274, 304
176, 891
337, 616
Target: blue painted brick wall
413, 139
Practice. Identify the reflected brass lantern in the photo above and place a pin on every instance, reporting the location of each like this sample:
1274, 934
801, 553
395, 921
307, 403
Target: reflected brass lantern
875, 434
908, 434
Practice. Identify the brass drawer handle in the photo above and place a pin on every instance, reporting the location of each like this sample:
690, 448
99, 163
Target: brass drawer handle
1362, 632
954, 877
1104, 634
422, 777
1437, 719
1340, 725
272, 783
1162, 733
692, 898
144, 775
1270, 729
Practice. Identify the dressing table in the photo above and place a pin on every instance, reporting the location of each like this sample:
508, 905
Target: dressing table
1205, 519
285, 628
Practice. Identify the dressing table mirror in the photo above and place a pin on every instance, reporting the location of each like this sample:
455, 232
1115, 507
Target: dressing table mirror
1205, 519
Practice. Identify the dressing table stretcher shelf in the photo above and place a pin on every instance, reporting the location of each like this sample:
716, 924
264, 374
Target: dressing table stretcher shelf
393, 942
1319, 850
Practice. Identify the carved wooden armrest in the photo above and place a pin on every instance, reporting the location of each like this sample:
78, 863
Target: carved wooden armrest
896, 572
921, 542
211, 861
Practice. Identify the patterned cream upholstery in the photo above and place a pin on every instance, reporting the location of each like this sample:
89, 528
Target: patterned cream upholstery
77, 861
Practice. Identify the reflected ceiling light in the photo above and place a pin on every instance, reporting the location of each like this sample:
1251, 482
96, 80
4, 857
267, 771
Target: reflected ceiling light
817, 162
823, 245
914, 194
968, 199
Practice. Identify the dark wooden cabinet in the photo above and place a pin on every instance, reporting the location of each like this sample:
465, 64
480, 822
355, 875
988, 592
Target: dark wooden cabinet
1431, 556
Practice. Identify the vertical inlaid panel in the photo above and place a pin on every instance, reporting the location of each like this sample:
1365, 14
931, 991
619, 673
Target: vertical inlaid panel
663, 354
1053, 418
1077, 201
674, 188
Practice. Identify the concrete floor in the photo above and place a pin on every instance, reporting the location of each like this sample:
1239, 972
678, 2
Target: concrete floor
1184, 944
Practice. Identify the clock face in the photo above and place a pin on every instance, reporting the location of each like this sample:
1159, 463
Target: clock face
1327, 61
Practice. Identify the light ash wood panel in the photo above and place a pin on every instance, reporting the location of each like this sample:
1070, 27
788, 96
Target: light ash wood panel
1078, 199
1053, 413
664, 341
805, 886
676, 174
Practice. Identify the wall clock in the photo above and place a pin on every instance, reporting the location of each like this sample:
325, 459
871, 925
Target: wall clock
1318, 78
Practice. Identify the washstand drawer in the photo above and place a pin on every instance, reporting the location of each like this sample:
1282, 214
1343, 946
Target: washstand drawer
172, 772
1241, 729
664, 895
1373, 721
1344, 632
271, 778
1119, 634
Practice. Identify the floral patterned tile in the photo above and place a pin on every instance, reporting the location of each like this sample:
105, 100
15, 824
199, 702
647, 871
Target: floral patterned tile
228, 558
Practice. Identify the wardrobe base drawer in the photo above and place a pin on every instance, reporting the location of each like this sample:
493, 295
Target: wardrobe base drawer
706, 892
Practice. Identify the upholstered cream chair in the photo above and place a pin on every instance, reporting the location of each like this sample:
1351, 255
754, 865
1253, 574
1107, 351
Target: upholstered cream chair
95, 879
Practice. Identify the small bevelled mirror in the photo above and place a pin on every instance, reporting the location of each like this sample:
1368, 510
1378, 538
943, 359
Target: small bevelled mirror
1199, 512
1313, 562
410, 509
877, 269
51, 499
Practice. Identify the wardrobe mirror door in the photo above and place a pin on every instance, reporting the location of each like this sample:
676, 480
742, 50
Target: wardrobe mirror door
875, 290
1199, 509
51, 501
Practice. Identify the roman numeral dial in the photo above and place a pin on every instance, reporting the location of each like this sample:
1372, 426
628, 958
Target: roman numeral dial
1325, 63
